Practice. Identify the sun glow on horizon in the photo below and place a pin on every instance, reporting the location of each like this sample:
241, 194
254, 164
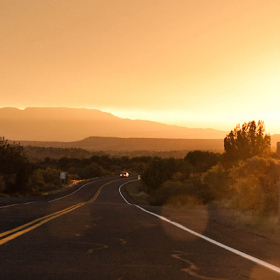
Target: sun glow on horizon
206, 64
199, 121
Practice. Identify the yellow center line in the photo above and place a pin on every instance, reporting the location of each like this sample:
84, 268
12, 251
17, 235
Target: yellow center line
37, 220
99, 190
40, 221
19, 233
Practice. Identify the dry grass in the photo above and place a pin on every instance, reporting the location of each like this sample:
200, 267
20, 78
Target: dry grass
184, 202
64, 187
261, 223
136, 190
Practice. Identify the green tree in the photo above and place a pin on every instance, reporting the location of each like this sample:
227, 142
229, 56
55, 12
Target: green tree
247, 141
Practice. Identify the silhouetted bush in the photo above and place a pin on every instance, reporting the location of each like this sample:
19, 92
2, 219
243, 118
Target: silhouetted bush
15, 168
201, 161
158, 172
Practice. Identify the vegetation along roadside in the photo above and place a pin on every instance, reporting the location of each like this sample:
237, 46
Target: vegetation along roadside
243, 180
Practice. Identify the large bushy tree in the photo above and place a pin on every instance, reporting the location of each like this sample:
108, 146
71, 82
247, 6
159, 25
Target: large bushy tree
247, 141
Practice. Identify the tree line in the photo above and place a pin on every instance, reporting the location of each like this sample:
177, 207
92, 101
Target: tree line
246, 173
20, 176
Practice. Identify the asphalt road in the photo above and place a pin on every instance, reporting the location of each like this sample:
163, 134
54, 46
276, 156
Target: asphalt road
95, 234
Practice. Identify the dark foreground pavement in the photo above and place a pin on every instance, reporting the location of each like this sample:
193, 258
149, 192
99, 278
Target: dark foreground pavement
106, 238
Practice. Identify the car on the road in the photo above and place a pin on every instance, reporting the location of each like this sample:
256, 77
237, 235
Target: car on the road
124, 174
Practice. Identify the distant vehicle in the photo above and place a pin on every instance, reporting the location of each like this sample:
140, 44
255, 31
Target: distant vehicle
124, 174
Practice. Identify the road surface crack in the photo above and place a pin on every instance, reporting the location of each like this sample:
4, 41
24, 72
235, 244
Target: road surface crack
192, 269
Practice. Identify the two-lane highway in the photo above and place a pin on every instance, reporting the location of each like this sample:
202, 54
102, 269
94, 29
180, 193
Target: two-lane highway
95, 234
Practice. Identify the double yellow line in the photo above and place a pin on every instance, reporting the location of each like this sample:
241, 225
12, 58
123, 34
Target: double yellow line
16, 232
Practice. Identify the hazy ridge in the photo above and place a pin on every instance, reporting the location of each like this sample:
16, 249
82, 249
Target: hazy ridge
65, 127
69, 124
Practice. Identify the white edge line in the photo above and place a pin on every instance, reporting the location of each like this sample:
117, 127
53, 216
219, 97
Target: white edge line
30, 202
6, 206
246, 256
74, 191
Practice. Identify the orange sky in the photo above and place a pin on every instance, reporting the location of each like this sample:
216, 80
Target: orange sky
199, 63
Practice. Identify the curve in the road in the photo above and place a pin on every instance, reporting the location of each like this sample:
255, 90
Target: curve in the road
31, 202
16, 232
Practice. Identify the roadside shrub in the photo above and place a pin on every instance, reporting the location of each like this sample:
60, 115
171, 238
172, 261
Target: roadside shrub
46, 180
174, 190
36, 181
159, 171
165, 192
52, 176
216, 179
256, 184
74, 176
50, 187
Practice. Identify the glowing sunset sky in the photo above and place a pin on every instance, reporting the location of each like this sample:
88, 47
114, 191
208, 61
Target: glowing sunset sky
196, 63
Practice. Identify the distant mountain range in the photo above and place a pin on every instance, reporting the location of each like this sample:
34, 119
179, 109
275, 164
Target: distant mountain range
69, 124
100, 131
117, 144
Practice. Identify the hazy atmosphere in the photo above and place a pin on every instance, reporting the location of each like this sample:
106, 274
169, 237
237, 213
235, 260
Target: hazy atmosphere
206, 64
140, 139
